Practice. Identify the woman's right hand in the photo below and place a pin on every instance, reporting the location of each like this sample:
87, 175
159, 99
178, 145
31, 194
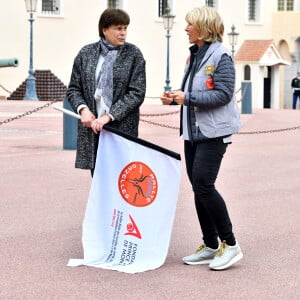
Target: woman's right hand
166, 99
87, 117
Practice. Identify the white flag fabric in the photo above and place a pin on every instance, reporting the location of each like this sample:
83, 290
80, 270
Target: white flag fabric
131, 206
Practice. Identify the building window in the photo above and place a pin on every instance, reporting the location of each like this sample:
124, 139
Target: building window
162, 5
253, 10
51, 8
285, 5
247, 73
114, 3
210, 3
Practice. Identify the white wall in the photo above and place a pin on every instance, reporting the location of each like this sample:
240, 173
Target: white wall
58, 40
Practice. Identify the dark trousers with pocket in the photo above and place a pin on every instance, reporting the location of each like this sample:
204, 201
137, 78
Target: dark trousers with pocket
296, 95
203, 161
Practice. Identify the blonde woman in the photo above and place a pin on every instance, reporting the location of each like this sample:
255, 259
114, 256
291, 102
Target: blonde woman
209, 117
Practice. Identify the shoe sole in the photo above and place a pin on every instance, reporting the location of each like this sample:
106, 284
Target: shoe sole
233, 261
203, 262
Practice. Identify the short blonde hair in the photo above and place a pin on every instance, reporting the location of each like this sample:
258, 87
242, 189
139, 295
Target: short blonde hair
207, 22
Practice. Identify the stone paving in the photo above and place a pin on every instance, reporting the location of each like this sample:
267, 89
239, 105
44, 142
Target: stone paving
43, 200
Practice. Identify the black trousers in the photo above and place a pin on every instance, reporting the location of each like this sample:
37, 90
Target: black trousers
203, 161
295, 97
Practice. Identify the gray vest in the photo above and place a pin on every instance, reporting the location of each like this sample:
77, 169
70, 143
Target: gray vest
220, 121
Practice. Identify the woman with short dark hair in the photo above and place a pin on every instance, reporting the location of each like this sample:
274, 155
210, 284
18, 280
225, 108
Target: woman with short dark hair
107, 85
112, 17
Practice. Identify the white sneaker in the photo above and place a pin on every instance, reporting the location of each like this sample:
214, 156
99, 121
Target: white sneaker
226, 256
203, 255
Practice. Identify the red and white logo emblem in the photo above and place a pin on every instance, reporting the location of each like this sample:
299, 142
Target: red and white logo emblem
138, 184
132, 229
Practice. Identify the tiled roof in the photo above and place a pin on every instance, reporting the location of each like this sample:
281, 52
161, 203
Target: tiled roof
252, 50
48, 87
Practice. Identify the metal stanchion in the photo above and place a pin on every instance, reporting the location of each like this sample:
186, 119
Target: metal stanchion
69, 128
247, 97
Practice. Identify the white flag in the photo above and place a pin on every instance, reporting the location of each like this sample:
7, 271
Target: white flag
131, 206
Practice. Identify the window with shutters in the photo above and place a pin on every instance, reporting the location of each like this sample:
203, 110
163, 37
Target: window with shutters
210, 3
162, 5
285, 5
254, 11
51, 8
115, 3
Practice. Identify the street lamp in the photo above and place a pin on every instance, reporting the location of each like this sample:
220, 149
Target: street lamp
168, 20
232, 36
30, 93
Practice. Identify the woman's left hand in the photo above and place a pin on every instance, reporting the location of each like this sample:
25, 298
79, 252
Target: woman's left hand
178, 97
97, 124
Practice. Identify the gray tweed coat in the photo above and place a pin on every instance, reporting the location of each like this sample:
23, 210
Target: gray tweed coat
129, 91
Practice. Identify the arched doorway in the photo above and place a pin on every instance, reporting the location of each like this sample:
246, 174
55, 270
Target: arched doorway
247, 72
267, 86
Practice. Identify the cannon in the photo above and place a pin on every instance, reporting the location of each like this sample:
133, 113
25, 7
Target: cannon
10, 62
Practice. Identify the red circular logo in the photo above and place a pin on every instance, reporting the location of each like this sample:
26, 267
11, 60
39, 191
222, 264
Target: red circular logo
138, 184
210, 83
